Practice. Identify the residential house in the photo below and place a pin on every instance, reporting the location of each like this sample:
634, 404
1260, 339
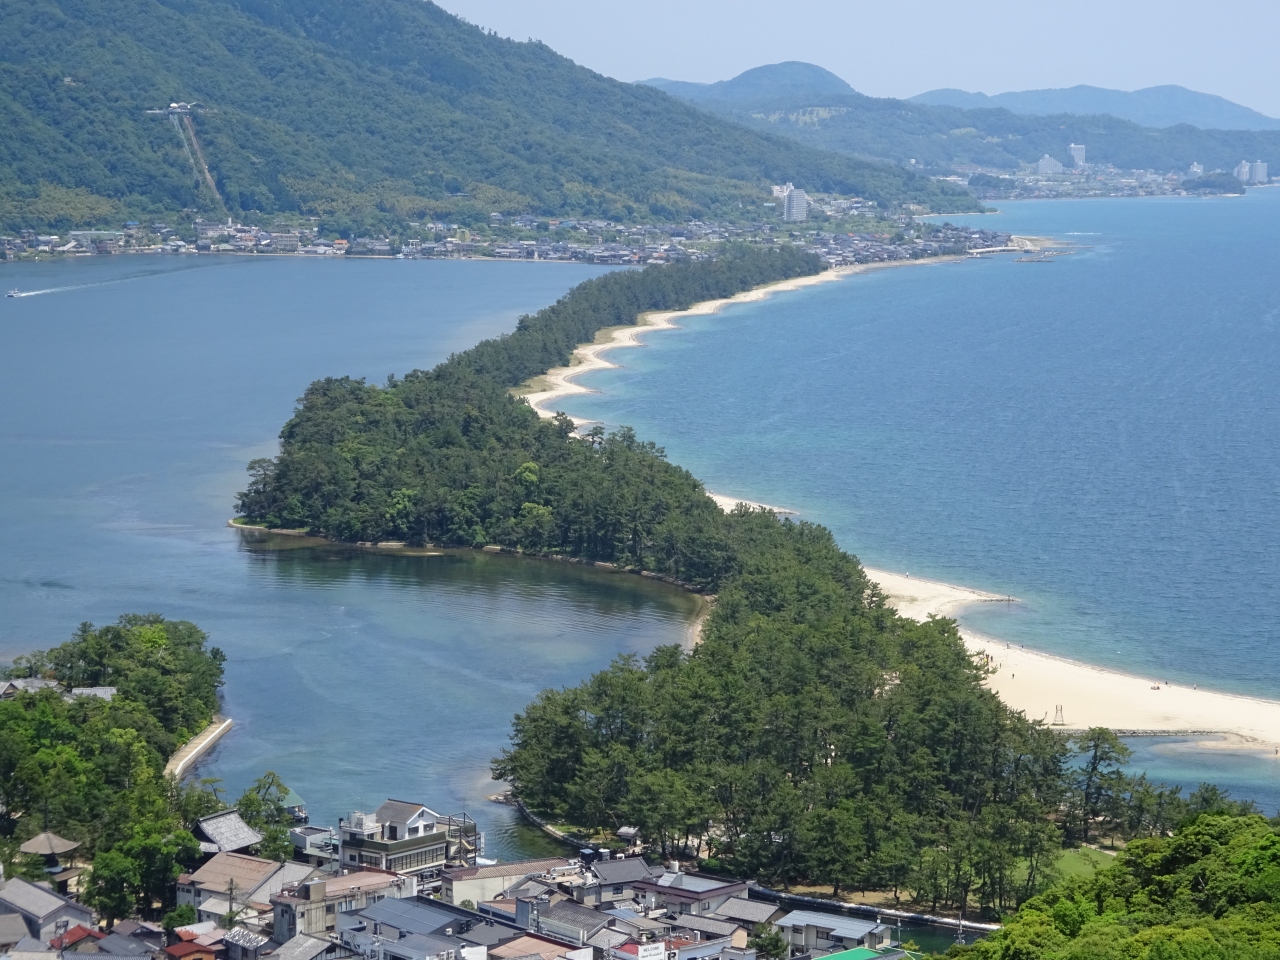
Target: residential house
304, 947
688, 892
674, 948
42, 909
478, 884
149, 933
13, 928
237, 882
408, 838
79, 939
190, 950
117, 945
225, 832
564, 919
408, 930
314, 845
311, 907
11, 688
749, 913
243, 944
532, 947
811, 932
616, 879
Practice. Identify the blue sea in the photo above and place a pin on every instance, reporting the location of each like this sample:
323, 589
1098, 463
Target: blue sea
1098, 436
135, 390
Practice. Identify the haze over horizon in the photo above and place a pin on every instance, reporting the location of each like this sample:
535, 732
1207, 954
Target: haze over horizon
898, 52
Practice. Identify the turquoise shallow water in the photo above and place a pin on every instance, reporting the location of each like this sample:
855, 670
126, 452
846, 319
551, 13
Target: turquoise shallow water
131, 398
1098, 436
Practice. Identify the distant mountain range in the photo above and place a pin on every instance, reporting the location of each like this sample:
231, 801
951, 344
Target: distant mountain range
364, 113
1165, 106
814, 106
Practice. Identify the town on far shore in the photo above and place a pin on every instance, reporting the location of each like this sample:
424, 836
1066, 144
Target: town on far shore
406, 883
842, 231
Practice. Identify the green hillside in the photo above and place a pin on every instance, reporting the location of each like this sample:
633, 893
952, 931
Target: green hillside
802, 104
363, 111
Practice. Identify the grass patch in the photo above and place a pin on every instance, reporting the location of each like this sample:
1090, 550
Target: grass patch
1083, 862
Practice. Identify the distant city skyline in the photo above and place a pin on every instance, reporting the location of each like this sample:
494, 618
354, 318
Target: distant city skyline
904, 49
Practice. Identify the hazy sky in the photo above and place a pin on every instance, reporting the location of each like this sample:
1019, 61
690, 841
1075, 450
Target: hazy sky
897, 48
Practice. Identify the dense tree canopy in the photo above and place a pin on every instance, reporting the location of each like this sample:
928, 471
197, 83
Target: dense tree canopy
1211, 891
364, 113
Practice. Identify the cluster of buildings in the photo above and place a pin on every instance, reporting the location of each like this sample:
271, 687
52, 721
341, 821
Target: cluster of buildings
1255, 172
1049, 177
11, 688
793, 201
849, 248
406, 883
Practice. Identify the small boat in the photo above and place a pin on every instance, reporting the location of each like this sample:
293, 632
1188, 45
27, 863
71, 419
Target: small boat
15, 292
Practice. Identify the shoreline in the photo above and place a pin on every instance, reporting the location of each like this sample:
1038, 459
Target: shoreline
1089, 695
558, 382
197, 747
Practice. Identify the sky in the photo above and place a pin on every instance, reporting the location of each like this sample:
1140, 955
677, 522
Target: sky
898, 49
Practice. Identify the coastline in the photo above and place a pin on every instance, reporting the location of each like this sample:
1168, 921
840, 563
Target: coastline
196, 747
1027, 680
558, 382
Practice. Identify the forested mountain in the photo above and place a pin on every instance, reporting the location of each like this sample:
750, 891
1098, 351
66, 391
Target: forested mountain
1163, 106
360, 110
808, 104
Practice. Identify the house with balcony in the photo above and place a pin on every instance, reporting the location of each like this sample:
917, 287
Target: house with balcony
408, 838
311, 907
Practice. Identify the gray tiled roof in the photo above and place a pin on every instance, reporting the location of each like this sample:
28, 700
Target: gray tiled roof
847, 927
748, 911
122, 945
34, 901
12, 929
608, 939
301, 947
398, 810
103, 693
228, 831
622, 871
708, 925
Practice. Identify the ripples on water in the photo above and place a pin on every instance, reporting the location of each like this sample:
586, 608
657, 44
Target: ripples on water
1098, 436
131, 396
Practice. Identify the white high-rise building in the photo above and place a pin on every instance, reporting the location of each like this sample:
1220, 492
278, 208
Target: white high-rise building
1049, 165
1077, 153
795, 205
1195, 170
1258, 172
1244, 171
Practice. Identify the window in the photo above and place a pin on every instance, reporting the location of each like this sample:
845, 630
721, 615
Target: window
391, 831
328, 908
617, 891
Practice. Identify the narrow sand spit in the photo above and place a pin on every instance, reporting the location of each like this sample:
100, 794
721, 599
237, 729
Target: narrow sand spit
544, 391
1032, 682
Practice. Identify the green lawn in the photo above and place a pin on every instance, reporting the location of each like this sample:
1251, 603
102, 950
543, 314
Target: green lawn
1083, 862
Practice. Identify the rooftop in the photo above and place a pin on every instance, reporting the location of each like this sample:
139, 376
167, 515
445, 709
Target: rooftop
226, 868
33, 900
747, 911
528, 946
228, 831
301, 947
841, 926
518, 868
48, 845
622, 871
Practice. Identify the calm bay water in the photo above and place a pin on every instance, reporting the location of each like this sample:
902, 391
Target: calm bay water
1098, 436
133, 395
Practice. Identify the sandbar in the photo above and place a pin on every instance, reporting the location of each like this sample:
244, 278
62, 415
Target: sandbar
1030, 681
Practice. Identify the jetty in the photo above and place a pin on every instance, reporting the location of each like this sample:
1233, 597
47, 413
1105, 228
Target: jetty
196, 747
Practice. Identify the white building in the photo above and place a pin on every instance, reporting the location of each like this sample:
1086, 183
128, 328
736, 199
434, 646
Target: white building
1195, 170
1077, 153
795, 206
1258, 172
1048, 165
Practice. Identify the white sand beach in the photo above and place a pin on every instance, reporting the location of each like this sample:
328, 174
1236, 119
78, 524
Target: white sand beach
1027, 680
1036, 683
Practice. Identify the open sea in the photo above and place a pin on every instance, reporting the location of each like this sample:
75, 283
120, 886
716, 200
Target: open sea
1097, 436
